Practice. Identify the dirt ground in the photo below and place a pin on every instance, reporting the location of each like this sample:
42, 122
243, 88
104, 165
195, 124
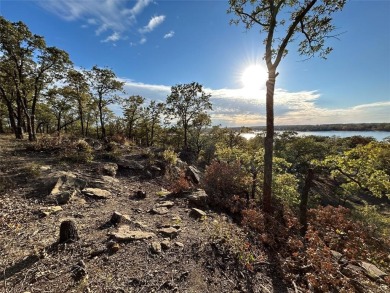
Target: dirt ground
200, 255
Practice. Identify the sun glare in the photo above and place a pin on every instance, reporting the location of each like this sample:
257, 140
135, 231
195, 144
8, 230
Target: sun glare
253, 78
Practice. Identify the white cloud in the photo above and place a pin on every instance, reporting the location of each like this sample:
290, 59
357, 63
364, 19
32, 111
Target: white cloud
113, 38
169, 35
154, 22
106, 15
234, 107
143, 41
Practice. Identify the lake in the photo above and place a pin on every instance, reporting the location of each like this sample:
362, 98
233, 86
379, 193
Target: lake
378, 135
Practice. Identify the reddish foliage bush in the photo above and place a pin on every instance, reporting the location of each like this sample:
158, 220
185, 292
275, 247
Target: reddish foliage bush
180, 184
226, 186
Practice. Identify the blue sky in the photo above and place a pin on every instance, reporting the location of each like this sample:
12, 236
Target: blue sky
153, 45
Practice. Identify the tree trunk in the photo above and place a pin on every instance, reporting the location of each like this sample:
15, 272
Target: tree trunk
68, 232
102, 127
269, 143
304, 200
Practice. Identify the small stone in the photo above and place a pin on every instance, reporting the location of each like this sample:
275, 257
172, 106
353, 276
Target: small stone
197, 213
47, 211
168, 204
125, 234
79, 271
179, 244
118, 218
155, 247
169, 232
165, 244
198, 199
110, 169
160, 211
97, 193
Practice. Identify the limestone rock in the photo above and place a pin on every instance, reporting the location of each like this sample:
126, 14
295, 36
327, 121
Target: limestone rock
179, 244
197, 213
165, 244
125, 234
168, 204
47, 211
97, 193
169, 232
371, 270
65, 188
198, 199
160, 210
131, 165
155, 247
118, 218
194, 174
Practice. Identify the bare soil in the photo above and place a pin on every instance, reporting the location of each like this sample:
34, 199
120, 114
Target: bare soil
203, 257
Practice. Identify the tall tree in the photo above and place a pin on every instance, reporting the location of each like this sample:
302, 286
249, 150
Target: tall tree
132, 109
30, 65
283, 21
151, 120
185, 103
78, 90
104, 86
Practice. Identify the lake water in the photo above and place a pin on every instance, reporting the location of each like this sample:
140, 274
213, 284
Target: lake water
378, 135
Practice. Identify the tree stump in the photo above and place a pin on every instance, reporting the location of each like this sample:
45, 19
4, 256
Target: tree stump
68, 232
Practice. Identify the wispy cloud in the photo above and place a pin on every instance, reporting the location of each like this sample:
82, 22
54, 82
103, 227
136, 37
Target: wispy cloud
114, 16
235, 107
113, 38
143, 41
154, 22
169, 35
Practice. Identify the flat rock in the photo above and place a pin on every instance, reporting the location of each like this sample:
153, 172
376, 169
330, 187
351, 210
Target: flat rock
125, 234
97, 193
160, 210
169, 232
168, 204
47, 211
371, 270
131, 165
118, 218
65, 188
197, 213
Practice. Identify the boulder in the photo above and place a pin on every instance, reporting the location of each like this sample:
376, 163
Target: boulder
198, 199
131, 165
125, 234
97, 193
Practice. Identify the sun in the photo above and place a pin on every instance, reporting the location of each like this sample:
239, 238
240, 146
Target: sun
253, 78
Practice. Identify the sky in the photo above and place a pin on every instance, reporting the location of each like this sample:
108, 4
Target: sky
153, 45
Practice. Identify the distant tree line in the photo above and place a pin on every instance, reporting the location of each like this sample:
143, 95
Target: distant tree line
330, 127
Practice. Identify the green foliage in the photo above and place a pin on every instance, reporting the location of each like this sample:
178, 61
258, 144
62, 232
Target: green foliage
79, 152
170, 157
361, 169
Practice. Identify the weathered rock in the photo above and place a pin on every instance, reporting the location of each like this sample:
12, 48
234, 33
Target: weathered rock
159, 211
194, 174
125, 234
97, 193
352, 271
110, 169
179, 244
131, 165
165, 244
197, 213
371, 270
118, 218
155, 247
198, 199
169, 232
168, 204
65, 188
47, 211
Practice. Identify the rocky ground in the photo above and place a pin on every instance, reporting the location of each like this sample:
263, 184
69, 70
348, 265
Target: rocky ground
132, 234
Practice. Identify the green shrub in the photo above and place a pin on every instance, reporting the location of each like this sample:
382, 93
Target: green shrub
79, 152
